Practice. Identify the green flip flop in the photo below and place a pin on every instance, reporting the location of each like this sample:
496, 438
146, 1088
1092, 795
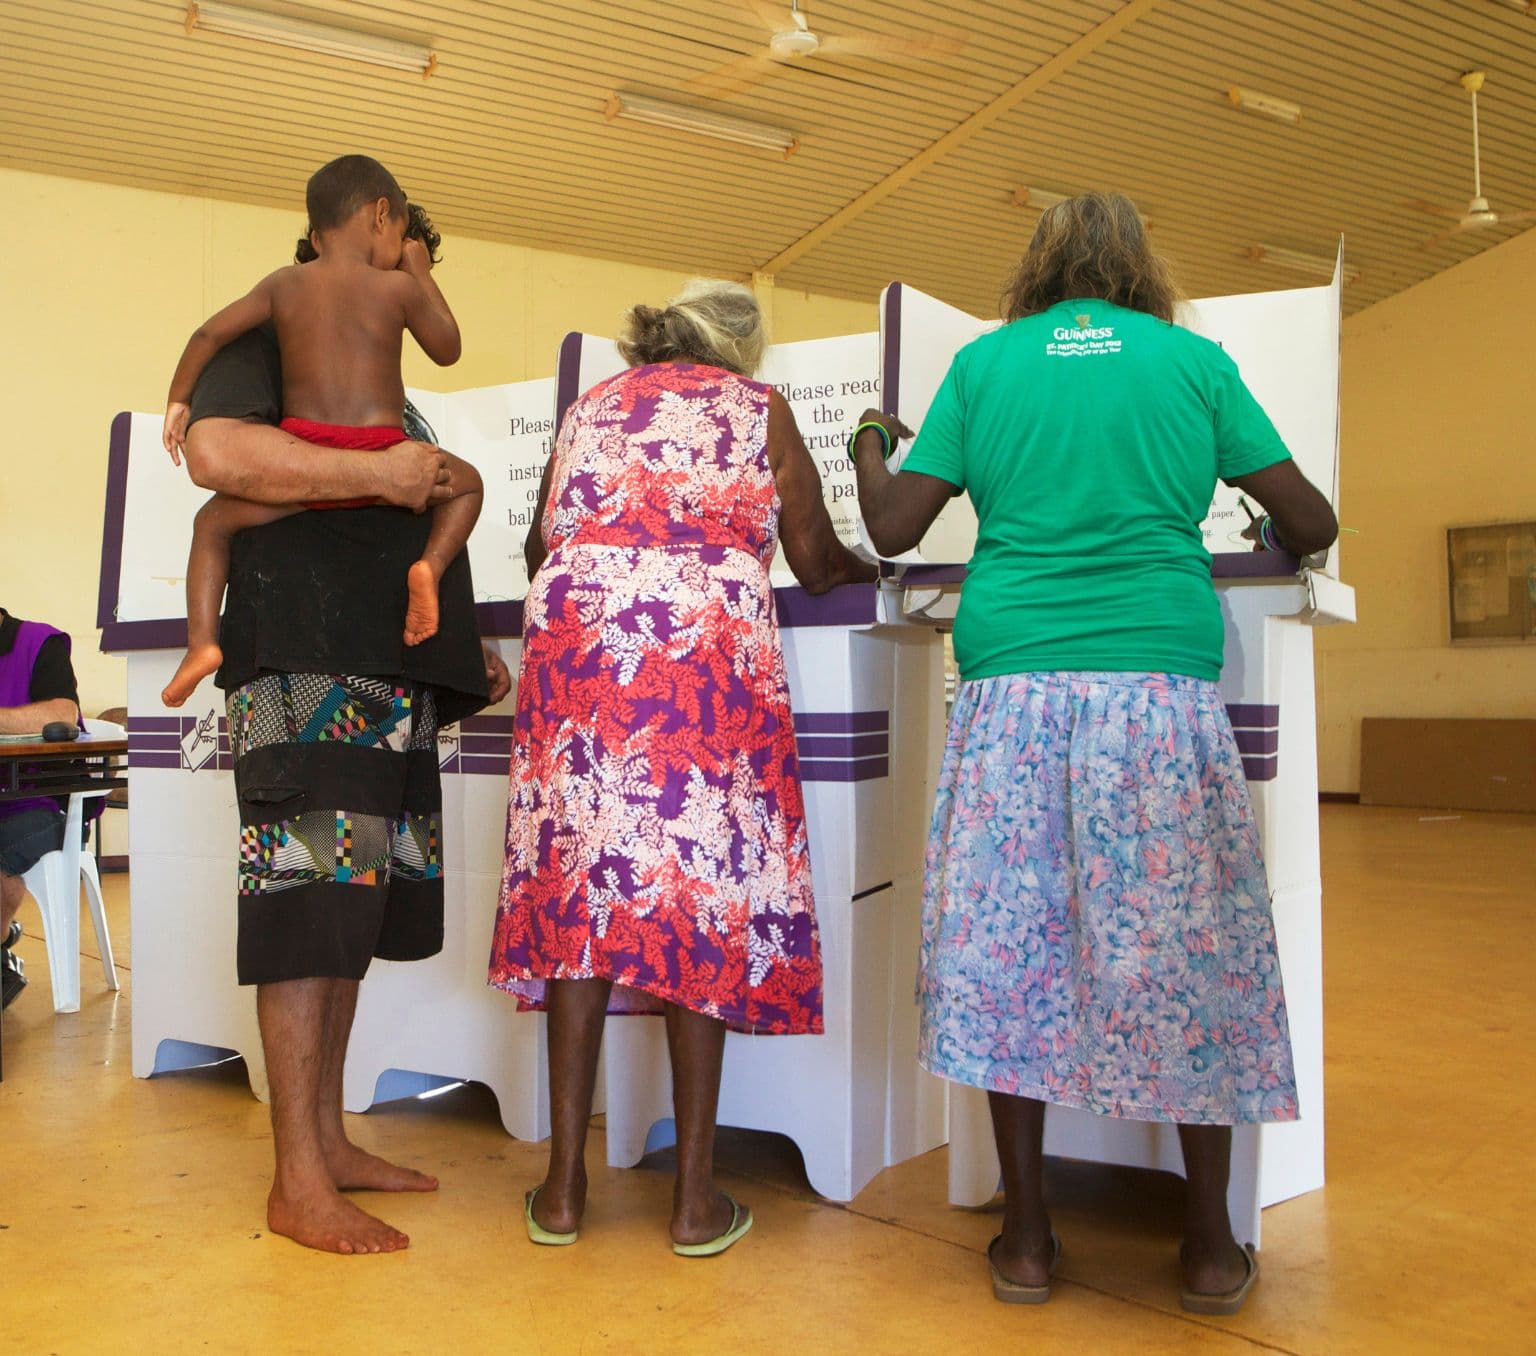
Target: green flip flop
741, 1221
537, 1233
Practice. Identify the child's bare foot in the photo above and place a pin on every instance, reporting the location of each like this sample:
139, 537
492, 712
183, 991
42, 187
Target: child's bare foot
421, 602
200, 661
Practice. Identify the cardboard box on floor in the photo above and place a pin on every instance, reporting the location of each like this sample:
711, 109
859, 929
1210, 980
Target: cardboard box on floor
1449, 764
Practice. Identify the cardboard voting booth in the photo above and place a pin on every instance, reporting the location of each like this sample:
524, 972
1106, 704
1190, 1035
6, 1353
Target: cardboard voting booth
867, 690
1287, 347
418, 1025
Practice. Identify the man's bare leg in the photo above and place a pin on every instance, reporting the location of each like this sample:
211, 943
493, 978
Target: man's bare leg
452, 522
351, 1168
304, 1204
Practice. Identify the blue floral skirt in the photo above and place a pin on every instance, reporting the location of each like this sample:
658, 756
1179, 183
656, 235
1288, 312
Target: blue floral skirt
1097, 930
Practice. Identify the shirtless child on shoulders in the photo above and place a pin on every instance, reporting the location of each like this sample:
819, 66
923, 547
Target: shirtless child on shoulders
340, 321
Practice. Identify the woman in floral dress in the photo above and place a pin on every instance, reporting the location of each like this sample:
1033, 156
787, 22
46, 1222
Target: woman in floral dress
1097, 929
656, 856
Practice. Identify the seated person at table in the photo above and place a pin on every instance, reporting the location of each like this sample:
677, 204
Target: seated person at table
339, 323
37, 687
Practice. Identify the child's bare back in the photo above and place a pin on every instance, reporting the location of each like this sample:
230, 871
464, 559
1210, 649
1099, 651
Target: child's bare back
340, 322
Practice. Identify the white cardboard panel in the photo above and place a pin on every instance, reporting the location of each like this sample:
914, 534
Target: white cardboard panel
1286, 345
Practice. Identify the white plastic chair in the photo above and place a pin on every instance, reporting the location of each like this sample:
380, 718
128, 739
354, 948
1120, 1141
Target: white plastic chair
55, 884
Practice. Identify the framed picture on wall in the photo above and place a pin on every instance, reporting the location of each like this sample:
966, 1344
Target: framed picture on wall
1492, 577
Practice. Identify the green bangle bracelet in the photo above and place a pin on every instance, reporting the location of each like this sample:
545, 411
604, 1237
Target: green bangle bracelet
885, 438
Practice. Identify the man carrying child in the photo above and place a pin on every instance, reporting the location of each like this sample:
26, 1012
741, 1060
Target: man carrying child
333, 718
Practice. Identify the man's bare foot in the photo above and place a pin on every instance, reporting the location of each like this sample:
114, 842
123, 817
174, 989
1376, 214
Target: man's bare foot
328, 1222
199, 662
354, 1169
699, 1223
421, 602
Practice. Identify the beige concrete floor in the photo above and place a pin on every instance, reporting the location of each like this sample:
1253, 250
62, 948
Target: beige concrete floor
131, 1211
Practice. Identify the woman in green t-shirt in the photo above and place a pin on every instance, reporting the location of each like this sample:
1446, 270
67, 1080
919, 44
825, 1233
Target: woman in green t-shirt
1097, 929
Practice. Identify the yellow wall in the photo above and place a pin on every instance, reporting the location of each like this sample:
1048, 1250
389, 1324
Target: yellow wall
1438, 432
102, 286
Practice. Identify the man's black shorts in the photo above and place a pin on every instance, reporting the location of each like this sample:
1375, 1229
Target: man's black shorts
340, 824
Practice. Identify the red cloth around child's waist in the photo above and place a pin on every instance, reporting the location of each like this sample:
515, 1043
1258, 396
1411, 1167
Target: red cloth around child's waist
367, 438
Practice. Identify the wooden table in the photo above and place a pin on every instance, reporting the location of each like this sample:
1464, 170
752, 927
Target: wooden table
40, 768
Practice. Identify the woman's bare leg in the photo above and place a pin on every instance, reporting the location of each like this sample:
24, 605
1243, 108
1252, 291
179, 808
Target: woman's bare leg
577, 1009
452, 522
696, 1045
207, 573
1212, 1261
1023, 1251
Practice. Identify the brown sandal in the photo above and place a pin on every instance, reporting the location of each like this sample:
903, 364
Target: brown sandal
1011, 1292
1199, 1302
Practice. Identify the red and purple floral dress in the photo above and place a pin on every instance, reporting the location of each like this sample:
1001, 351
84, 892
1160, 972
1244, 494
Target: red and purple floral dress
656, 828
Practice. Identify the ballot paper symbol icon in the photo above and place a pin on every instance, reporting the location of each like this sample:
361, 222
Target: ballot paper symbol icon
199, 741
448, 750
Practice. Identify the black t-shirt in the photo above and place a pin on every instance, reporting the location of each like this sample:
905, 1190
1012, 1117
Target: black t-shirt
53, 676
324, 592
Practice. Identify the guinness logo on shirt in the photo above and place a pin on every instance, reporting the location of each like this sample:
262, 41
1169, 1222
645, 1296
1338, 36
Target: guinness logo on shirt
1085, 340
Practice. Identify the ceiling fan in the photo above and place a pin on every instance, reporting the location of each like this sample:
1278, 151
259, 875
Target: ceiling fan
792, 40
1477, 215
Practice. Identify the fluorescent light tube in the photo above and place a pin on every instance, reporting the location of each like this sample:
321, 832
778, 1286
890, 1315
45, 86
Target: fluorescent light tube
1264, 104
1315, 264
638, 108
1037, 198
239, 22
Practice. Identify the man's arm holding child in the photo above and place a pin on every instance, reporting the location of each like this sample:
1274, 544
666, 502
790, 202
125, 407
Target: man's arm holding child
251, 310
268, 465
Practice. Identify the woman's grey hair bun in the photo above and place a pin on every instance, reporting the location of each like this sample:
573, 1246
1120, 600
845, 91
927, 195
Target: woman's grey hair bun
711, 321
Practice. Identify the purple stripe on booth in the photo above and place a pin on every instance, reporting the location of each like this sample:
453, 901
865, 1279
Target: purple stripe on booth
1245, 715
151, 743
841, 722
844, 770
843, 746
224, 761
108, 582
1258, 769
932, 575
498, 744
1258, 741
567, 375
165, 633
890, 367
484, 764
154, 725
168, 760
482, 725
1254, 565
500, 619
846, 605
